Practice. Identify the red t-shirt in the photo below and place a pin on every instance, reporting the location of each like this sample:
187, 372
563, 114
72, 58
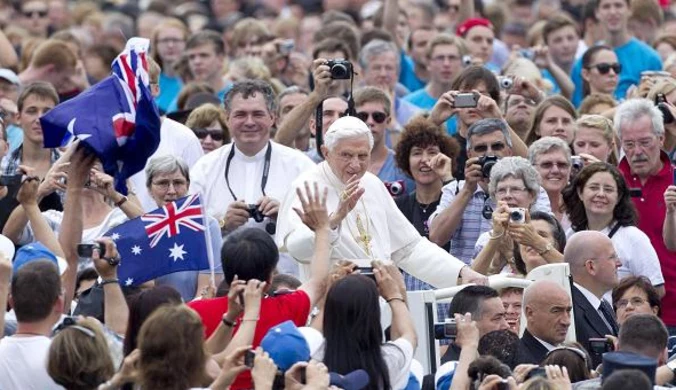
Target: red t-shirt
274, 310
651, 213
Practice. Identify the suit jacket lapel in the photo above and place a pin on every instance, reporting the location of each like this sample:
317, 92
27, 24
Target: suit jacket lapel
590, 313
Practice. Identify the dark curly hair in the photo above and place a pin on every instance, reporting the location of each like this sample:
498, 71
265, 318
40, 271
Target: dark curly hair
422, 132
624, 212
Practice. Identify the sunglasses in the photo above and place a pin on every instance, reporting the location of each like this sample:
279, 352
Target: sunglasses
378, 117
215, 134
605, 67
39, 13
494, 147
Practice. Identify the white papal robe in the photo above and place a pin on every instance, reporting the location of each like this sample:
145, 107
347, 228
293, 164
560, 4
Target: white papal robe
393, 237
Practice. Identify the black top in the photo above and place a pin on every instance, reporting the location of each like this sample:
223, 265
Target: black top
9, 202
531, 351
461, 159
418, 214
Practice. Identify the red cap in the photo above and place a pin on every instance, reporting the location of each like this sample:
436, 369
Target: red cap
470, 24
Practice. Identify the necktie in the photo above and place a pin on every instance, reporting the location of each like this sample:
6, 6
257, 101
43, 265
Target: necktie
607, 316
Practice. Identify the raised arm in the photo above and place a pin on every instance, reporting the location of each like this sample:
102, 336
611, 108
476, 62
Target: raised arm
392, 289
298, 118
8, 56
28, 198
71, 226
669, 230
492, 250
115, 309
103, 184
468, 339
391, 19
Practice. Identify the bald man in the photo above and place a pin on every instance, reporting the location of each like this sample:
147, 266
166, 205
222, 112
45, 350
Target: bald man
593, 265
547, 308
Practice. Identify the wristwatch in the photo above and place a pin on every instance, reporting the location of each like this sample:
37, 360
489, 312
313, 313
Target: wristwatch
547, 249
230, 324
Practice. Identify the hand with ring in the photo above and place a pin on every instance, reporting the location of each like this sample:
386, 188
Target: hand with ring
348, 200
106, 266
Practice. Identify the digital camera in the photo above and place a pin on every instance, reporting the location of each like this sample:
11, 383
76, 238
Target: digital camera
487, 163
255, 213
661, 103
517, 215
506, 83
446, 330
395, 188
340, 69
576, 163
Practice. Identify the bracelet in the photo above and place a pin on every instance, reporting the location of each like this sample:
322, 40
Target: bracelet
229, 323
250, 319
395, 299
121, 201
109, 281
492, 237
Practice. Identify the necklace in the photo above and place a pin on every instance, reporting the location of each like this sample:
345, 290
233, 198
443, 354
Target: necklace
364, 235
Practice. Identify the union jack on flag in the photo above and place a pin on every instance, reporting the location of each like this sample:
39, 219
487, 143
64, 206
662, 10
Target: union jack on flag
167, 221
170, 239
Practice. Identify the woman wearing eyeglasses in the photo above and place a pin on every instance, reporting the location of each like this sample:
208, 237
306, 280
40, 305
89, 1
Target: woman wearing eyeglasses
551, 158
600, 71
598, 199
514, 184
208, 123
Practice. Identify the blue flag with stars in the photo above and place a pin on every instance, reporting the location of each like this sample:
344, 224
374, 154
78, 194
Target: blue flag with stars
170, 239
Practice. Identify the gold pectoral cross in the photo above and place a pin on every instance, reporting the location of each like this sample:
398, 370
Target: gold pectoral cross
364, 236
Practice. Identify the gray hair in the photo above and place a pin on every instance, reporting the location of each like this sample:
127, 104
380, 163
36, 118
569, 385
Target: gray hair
487, 126
344, 128
516, 167
374, 48
292, 90
546, 145
634, 109
248, 88
165, 164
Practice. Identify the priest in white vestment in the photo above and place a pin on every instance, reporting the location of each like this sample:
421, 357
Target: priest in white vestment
366, 223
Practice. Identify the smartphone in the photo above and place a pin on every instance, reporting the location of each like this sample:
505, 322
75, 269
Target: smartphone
466, 100
249, 358
367, 271
599, 346
10, 180
539, 371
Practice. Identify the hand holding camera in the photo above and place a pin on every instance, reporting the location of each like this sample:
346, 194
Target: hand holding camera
468, 332
321, 74
238, 214
474, 173
444, 108
105, 257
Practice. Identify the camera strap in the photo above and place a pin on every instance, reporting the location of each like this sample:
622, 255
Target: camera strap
266, 169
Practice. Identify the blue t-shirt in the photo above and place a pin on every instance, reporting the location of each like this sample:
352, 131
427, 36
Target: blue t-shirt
548, 76
169, 89
424, 100
407, 75
14, 137
390, 172
635, 57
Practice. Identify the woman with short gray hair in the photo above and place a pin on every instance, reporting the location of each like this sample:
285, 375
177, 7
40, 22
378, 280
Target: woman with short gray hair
514, 185
551, 158
168, 179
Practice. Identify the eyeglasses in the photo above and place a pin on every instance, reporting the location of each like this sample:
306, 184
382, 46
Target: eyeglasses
164, 184
496, 147
71, 322
31, 13
378, 117
170, 41
605, 67
635, 301
644, 143
516, 191
548, 165
215, 134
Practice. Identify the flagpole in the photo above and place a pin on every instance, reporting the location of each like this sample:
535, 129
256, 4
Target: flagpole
210, 251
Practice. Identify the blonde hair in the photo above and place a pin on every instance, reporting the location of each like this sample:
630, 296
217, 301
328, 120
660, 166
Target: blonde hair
205, 115
446, 39
77, 360
523, 67
166, 23
602, 124
594, 99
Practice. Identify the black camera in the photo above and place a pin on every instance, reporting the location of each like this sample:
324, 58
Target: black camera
661, 103
395, 188
536, 372
255, 213
599, 346
340, 69
10, 180
487, 163
446, 330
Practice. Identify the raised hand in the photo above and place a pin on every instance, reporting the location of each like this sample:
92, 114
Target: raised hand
442, 165
313, 214
348, 201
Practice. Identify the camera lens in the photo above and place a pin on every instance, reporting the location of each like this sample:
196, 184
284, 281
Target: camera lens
339, 71
487, 168
515, 215
396, 188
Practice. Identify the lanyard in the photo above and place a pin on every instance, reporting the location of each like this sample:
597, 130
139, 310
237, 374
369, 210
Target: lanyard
266, 169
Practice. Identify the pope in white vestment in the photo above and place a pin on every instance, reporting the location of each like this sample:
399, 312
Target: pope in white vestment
374, 229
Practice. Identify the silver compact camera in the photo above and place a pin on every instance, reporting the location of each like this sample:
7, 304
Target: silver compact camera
506, 83
517, 215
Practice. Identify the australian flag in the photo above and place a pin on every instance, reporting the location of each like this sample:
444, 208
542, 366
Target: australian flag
170, 239
116, 118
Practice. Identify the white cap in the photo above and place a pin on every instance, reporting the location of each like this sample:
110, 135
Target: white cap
10, 76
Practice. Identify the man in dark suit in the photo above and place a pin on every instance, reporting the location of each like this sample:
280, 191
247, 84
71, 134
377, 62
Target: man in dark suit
547, 309
593, 265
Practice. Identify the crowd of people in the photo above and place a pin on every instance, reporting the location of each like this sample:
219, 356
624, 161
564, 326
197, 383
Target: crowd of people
347, 153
